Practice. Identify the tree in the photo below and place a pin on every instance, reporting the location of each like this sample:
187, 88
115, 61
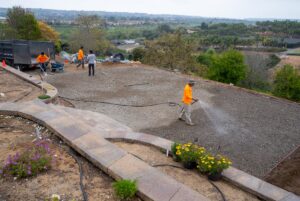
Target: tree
164, 28
138, 54
207, 57
287, 83
89, 34
49, 34
228, 67
23, 24
172, 51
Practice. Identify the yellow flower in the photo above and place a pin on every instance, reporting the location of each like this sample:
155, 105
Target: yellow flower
187, 149
178, 153
178, 147
209, 166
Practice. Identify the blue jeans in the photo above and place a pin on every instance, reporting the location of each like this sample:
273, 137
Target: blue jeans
91, 69
43, 67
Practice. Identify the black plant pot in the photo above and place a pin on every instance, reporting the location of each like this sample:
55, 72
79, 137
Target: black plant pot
176, 158
215, 176
189, 165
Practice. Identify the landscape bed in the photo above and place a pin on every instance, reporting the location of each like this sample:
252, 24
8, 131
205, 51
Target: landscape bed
63, 179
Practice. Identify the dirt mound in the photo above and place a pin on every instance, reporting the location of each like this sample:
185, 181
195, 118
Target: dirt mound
287, 174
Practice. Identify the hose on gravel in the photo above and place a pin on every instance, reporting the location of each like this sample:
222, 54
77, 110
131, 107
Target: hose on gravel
171, 104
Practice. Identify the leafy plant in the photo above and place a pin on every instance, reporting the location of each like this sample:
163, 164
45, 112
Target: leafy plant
287, 83
189, 153
125, 189
211, 165
229, 67
34, 160
174, 150
43, 97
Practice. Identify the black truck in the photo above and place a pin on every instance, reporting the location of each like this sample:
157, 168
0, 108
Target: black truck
22, 54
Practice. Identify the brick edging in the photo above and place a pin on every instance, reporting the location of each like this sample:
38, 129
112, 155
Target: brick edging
48, 88
235, 176
153, 185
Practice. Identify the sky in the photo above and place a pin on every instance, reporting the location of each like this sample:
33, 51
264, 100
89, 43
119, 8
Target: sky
240, 9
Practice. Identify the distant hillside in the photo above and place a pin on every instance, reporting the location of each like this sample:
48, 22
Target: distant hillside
66, 15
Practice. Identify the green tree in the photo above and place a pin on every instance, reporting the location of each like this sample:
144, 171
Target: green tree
23, 24
164, 28
207, 57
138, 54
228, 67
170, 51
89, 34
287, 83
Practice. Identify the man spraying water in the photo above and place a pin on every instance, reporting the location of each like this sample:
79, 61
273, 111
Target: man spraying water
187, 100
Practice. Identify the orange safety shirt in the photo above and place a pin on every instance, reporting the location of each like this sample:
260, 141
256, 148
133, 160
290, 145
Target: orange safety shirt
187, 95
80, 54
42, 58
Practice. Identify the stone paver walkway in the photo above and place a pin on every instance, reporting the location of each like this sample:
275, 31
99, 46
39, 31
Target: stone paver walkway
152, 184
86, 131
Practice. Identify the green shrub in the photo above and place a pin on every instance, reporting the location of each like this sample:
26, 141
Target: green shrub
34, 160
125, 189
287, 83
207, 57
138, 54
229, 67
43, 97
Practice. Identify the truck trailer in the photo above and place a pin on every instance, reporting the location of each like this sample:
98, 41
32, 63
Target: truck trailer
22, 54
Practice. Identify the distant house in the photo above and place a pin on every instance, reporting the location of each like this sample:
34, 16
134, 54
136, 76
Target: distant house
189, 31
129, 42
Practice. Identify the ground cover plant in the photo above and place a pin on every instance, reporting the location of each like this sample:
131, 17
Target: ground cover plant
125, 189
34, 160
43, 97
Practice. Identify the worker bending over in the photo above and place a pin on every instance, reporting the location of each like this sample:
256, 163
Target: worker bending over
42, 59
187, 101
80, 57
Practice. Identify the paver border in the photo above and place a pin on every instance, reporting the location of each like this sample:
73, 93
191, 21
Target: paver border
48, 88
105, 155
233, 175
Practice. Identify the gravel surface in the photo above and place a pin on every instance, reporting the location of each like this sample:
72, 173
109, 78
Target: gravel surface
255, 131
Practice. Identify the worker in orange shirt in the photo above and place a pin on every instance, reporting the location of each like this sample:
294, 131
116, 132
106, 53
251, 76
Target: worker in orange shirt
42, 59
187, 101
80, 57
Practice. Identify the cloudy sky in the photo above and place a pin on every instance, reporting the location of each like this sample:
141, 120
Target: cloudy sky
287, 9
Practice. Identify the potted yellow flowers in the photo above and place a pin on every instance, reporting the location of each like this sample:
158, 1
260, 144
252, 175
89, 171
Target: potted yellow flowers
213, 165
188, 154
174, 150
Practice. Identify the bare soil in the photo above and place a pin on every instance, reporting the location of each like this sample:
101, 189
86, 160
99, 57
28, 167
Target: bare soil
287, 174
16, 89
190, 178
16, 134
